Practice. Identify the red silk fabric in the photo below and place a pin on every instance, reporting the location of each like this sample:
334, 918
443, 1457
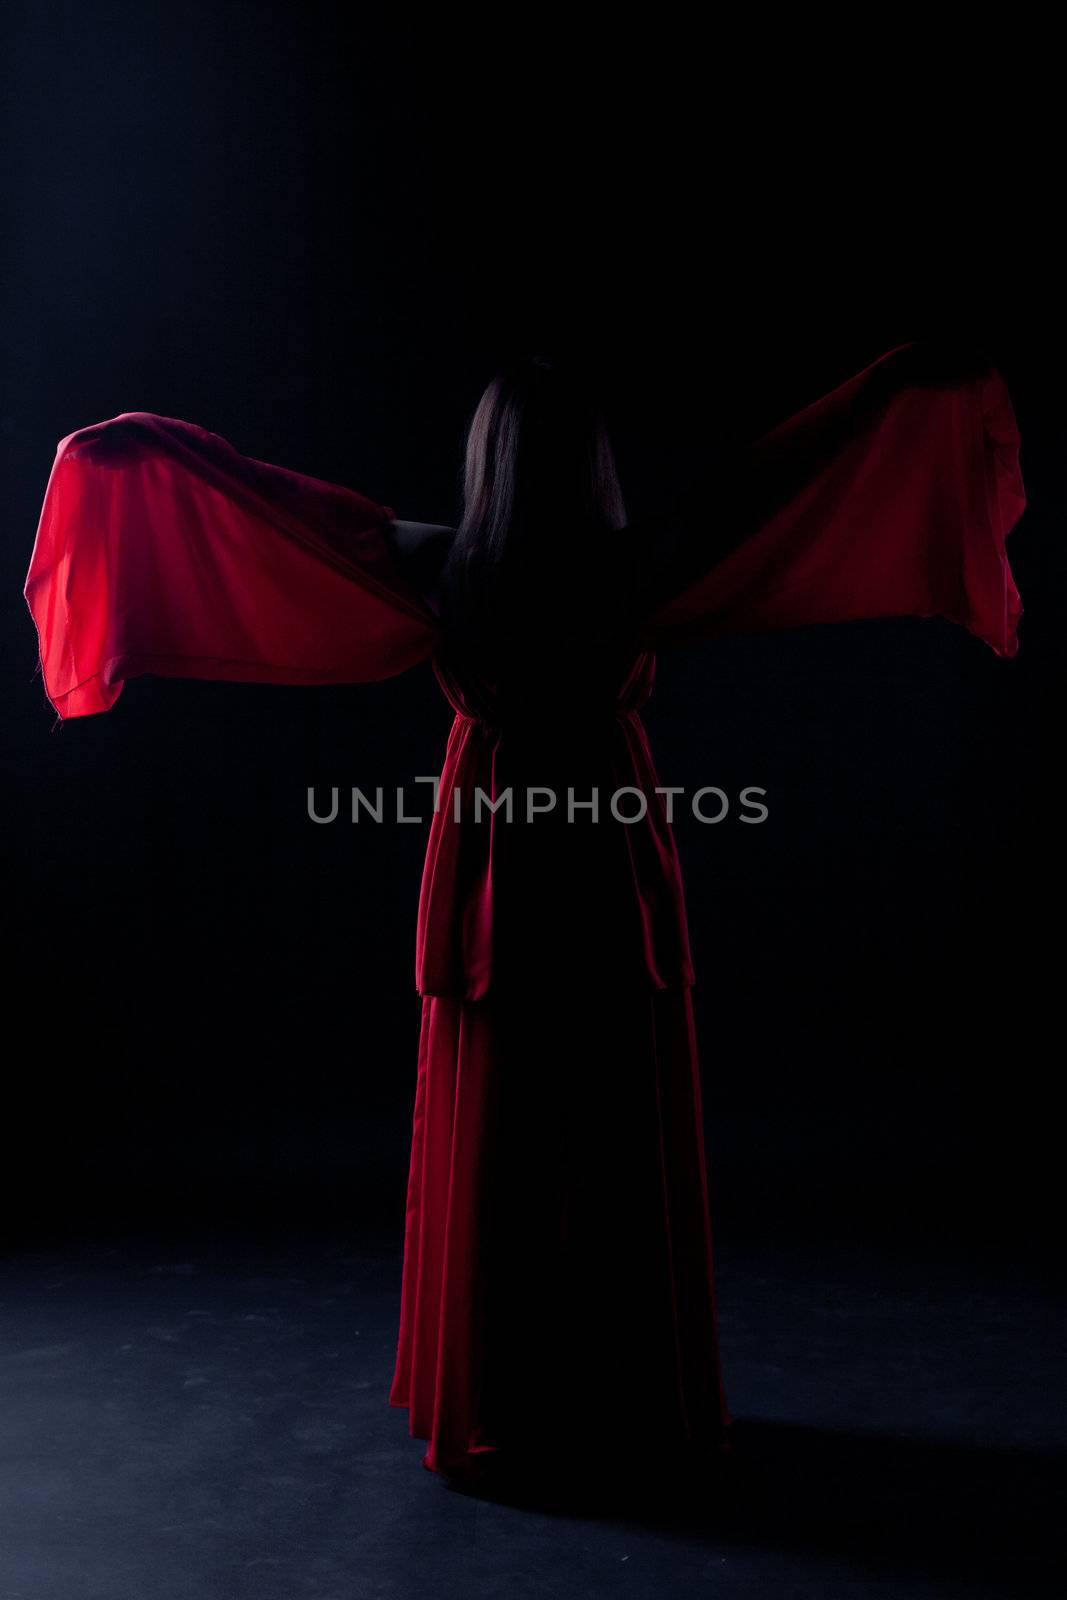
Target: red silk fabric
891, 496
162, 549
483, 875
558, 1297
557, 1249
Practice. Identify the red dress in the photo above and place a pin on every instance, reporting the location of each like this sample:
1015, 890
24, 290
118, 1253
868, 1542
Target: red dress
558, 1289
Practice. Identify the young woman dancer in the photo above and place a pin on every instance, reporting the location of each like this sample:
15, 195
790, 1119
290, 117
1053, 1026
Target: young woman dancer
558, 1296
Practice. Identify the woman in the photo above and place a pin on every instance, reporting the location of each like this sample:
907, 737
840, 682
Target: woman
558, 1291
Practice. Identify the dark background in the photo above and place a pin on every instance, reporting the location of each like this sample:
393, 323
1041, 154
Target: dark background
315, 233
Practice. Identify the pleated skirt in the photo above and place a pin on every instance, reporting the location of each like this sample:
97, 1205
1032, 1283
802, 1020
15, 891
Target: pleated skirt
558, 1295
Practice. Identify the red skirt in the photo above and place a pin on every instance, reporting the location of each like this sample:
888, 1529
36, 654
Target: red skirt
558, 1291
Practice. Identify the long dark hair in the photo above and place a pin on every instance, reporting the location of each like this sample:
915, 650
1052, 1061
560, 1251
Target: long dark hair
539, 484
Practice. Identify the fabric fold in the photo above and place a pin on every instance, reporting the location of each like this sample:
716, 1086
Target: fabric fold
893, 495
162, 549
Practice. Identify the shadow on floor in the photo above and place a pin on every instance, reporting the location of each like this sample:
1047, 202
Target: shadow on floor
976, 1520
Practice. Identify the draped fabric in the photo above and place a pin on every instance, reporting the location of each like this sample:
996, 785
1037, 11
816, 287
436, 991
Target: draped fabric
162, 549
891, 496
557, 1286
558, 1290
541, 897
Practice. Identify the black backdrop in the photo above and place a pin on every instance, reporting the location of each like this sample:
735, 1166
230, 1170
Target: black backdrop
314, 233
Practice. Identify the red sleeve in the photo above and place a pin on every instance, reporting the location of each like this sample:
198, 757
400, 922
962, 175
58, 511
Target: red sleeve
891, 496
161, 549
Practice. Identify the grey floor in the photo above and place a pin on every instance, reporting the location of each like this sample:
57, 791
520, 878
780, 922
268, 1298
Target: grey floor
210, 1423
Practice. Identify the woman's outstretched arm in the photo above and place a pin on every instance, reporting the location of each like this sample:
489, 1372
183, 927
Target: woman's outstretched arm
162, 549
890, 496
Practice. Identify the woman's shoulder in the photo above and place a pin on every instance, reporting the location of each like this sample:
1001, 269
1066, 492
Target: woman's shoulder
409, 538
421, 549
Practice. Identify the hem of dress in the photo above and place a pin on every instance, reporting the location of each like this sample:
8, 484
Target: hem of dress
478, 1461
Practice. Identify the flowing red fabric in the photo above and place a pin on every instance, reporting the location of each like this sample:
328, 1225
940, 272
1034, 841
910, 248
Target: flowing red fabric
162, 549
891, 496
557, 1292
